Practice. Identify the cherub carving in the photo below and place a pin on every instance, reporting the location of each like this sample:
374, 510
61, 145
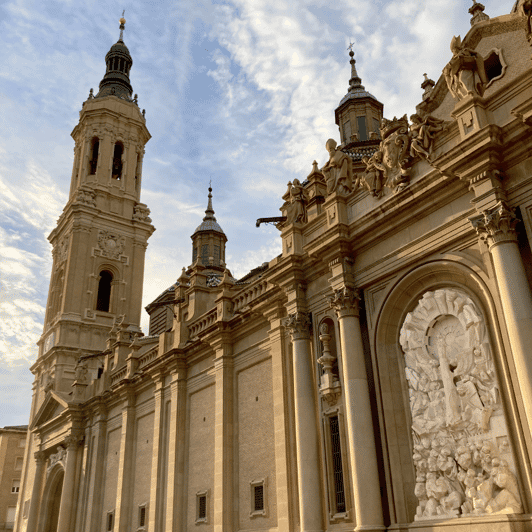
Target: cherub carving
422, 132
338, 170
375, 175
465, 73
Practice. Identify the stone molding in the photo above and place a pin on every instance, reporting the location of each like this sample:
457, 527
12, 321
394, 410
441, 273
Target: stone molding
298, 324
345, 301
497, 225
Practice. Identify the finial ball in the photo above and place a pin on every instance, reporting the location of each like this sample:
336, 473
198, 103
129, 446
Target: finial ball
122, 20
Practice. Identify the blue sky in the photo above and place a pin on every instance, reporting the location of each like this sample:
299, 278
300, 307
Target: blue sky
242, 92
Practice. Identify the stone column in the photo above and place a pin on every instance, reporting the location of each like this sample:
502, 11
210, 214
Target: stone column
223, 435
68, 494
40, 460
176, 450
308, 464
361, 438
496, 227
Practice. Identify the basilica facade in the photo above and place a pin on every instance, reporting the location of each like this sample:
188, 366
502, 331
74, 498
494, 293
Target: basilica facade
374, 376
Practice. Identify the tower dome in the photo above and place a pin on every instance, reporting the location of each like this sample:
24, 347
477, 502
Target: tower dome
208, 240
118, 61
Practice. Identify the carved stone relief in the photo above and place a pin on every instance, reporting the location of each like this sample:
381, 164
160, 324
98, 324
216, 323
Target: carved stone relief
141, 213
463, 461
110, 244
57, 457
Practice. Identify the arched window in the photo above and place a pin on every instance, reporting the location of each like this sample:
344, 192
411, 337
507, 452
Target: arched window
95, 147
117, 160
104, 291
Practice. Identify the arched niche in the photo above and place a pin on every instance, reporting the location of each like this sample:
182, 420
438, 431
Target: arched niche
51, 501
389, 364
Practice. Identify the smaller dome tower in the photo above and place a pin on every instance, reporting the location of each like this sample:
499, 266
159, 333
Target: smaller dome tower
359, 113
208, 241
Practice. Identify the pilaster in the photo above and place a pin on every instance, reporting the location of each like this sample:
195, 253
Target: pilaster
35, 503
223, 434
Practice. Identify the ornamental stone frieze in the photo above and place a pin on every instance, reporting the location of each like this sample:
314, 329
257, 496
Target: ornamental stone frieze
86, 196
462, 456
496, 225
345, 301
110, 245
298, 324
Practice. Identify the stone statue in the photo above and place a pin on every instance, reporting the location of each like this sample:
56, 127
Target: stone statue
396, 158
526, 10
338, 170
422, 134
454, 397
374, 176
81, 372
297, 210
465, 73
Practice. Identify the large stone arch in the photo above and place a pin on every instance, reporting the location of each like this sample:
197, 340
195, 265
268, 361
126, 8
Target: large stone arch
51, 501
389, 365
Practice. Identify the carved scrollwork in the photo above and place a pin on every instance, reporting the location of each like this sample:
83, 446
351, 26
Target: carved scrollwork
464, 465
496, 225
298, 325
345, 301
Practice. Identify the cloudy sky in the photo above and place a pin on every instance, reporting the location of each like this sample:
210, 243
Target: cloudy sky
242, 92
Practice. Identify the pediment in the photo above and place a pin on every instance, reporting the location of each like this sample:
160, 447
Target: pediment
54, 404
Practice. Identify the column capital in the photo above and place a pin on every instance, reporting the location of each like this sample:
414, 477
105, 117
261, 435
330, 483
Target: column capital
72, 441
345, 301
496, 225
298, 325
40, 456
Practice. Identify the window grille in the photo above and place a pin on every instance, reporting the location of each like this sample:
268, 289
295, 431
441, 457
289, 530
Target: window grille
205, 254
142, 516
338, 473
202, 507
259, 498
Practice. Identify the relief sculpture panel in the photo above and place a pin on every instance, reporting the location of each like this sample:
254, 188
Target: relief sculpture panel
462, 457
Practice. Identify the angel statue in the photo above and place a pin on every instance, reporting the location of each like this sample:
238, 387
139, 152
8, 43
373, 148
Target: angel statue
465, 73
422, 133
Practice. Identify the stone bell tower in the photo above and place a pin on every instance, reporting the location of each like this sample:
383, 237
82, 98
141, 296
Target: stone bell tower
101, 237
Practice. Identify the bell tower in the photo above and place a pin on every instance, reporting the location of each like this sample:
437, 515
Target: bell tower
100, 239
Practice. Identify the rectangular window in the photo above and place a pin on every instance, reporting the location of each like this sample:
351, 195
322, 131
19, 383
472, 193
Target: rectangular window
376, 126
194, 253
110, 521
22, 442
347, 132
142, 516
10, 515
205, 254
362, 130
18, 463
15, 487
201, 506
338, 474
258, 498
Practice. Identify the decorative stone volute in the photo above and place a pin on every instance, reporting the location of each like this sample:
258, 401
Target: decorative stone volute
298, 325
497, 225
345, 301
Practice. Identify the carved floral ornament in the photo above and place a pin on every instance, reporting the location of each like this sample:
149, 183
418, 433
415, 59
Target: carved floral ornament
462, 457
345, 301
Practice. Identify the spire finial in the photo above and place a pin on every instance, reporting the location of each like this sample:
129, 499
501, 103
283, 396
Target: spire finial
209, 213
355, 82
122, 25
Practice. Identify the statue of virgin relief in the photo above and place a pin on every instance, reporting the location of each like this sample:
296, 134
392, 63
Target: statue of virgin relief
464, 465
